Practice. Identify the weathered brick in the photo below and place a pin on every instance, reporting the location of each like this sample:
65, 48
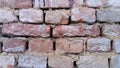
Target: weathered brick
19, 29
115, 61
79, 30
116, 45
31, 15
40, 45
92, 62
98, 44
77, 3
7, 16
14, 45
111, 31
57, 16
30, 61
38, 4
60, 62
7, 62
113, 3
0, 47
96, 3
70, 45
83, 14
57, 3
108, 15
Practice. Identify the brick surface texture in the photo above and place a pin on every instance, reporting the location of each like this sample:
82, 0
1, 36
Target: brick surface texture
59, 33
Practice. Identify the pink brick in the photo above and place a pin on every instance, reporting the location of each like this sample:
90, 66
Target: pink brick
14, 45
57, 16
19, 29
40, 45
69, 45
98, 44
7, 62
57, 3
77, 3
83, 14
71, 30
31, 15
57, 61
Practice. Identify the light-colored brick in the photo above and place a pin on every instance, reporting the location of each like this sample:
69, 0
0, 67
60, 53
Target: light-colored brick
113, 3
98, 44
31, 15
92, 62
115, 61
116, 45
38, 4
57, 16
83, 14
77, 3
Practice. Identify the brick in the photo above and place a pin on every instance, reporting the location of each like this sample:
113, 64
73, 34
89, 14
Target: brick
113, 3
7, 16
83, 14
31, 15
57, 16
23, 4
96, 3
7, 62
108, 15
77, 3
111, 31
40, 45
57, 3
19, 29
92, 62
70, 45
30, 61
115, 61
79, 30
62, 62
101, 44
116, 45
38, 4
0, 47
14, 45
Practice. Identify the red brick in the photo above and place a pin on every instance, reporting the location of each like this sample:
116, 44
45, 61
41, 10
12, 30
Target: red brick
19, 29
81, 30
57, 16
40, 45
31, 15
7, 62
57, 3
98, 44
57, 61
70, 45
14, 45
83, 14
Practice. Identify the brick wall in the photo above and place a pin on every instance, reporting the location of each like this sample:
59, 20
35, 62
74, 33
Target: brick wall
59, 33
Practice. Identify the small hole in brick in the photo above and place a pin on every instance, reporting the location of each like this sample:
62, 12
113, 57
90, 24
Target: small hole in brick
27, 43
54, 47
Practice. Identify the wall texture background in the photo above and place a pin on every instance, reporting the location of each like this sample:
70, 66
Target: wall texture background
59, 34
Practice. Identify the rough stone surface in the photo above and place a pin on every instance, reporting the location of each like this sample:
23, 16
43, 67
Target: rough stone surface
115, 61
111, 31
0, 47
7, 16
113, 3
62, 62
38, 4
7, 62
77, 3
57, 3
70, 30
92, 62
98, 44
96, 3
57, 16
116, 45
19, 29
108, 15
31, 15
14, 45
40, 45
83, 14
30, 61
70, 45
